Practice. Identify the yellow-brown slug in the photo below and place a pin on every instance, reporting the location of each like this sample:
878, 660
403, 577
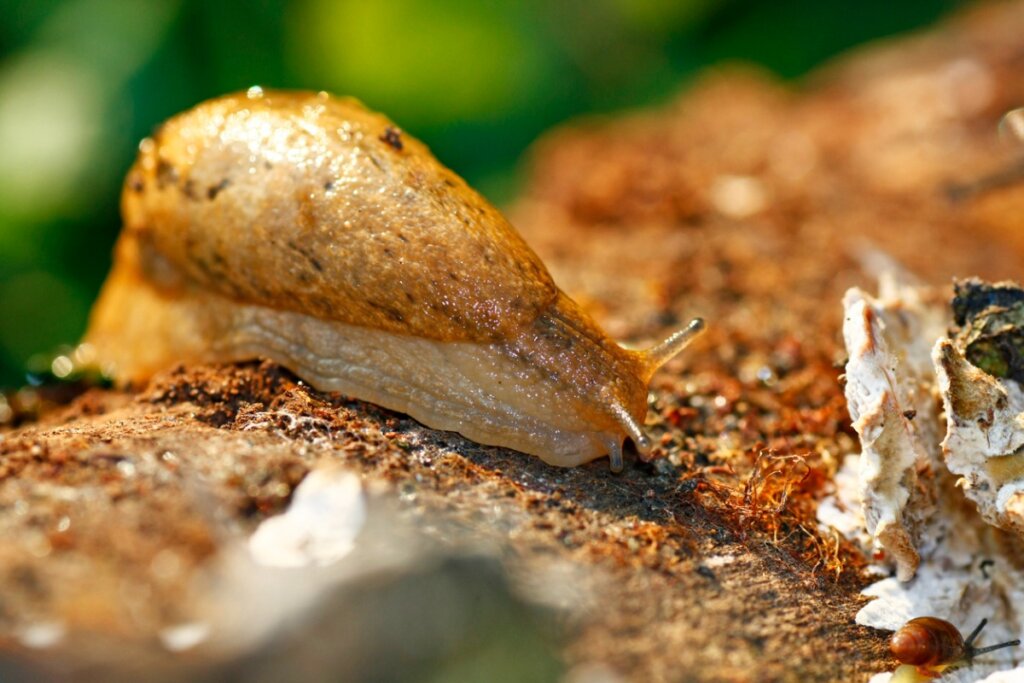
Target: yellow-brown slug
304, 228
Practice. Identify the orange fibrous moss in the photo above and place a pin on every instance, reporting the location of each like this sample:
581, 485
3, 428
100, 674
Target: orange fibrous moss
774, 500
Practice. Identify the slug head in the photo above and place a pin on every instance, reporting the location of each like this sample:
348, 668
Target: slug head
603, 386
650, 361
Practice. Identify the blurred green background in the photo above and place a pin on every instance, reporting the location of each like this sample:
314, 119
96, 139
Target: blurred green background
81, 81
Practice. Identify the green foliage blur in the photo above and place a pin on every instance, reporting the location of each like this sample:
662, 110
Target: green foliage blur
82, 81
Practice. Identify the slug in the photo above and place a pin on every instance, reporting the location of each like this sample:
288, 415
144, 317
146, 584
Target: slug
307, 229
927, 646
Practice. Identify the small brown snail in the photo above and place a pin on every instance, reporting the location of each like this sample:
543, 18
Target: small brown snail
931, 645
307, 229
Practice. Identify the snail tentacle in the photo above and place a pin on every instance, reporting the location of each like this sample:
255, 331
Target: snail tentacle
973, 652
974, 634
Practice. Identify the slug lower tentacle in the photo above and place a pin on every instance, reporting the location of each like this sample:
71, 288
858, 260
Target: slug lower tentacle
306, 229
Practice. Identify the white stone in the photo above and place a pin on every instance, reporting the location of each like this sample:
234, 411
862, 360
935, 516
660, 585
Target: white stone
184, 636
42, 635
327, 512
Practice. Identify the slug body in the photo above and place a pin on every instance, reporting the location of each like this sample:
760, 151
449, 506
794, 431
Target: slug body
930, 645
304, 228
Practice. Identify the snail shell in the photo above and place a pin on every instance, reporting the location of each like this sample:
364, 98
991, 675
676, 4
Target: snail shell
307, 229
926, 646
928, 642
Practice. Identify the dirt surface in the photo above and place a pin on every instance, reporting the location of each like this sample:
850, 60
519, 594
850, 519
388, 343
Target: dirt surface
743, 201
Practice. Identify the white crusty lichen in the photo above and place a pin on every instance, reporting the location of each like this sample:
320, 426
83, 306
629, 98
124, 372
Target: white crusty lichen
941, 470
984, 442
889, 391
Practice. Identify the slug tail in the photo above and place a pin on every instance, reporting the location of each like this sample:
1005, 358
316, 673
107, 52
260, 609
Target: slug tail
659, 354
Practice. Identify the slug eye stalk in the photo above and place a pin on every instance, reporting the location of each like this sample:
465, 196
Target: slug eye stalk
663, 352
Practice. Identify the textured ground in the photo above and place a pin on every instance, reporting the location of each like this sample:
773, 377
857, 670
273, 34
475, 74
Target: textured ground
750, 204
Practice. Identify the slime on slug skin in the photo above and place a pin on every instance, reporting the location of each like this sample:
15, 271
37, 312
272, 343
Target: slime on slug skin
304, 228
